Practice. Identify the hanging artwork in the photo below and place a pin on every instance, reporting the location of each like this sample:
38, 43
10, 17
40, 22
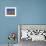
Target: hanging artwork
10, 11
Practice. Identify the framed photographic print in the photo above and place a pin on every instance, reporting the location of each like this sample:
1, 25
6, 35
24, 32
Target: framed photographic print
10, 11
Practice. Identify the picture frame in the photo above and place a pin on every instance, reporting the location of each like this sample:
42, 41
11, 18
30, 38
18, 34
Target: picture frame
10, 11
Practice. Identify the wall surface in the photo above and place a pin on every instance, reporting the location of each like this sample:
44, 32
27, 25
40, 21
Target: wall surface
28, 12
